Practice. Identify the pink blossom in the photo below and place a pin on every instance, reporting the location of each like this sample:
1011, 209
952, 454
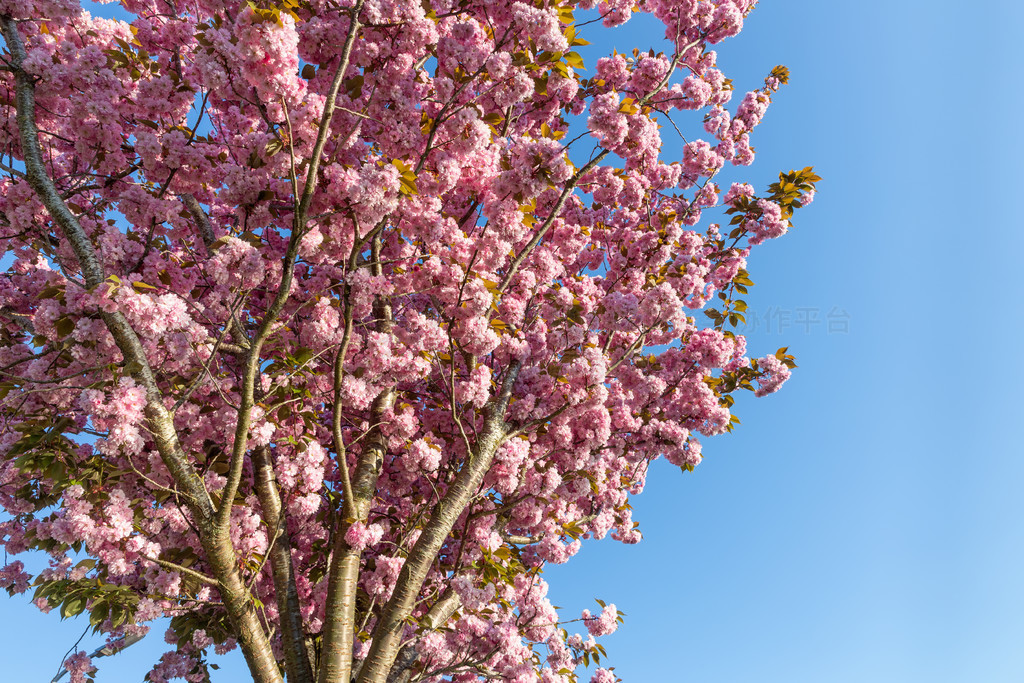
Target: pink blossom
79, 666
14, 578
773, 375
602, 624
359, 535
541, 25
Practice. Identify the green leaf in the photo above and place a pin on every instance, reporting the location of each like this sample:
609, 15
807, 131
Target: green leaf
628, 106
574, 60
354, 86
50, 292
303, 356
72, 607
273, 147
65, 326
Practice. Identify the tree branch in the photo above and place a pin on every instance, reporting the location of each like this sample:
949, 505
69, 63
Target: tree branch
171, 566
252, 365
339, 622
220, 553
295, 655
436, 617
387, 634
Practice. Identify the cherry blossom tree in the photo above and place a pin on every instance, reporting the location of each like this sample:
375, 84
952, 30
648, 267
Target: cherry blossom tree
329, 323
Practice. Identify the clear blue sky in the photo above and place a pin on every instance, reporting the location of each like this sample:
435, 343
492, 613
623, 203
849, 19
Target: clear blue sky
866, 523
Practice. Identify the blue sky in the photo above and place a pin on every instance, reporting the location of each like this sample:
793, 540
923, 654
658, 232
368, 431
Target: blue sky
865, 523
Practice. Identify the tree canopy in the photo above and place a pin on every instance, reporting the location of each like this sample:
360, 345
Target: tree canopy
328, 323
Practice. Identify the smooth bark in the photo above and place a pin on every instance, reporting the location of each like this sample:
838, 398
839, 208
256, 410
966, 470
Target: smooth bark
296, 658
